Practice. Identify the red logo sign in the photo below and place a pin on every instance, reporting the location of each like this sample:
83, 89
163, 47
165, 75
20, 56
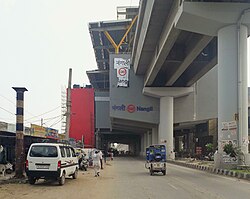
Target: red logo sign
122, 71
131, 108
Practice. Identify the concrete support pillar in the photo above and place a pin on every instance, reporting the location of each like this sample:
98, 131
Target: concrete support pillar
98, 139
132, 148
166, 125
19, 149
142, 145
145, 144
232, 87
243, 86
155, 135
137, 148
191, 143
149, 138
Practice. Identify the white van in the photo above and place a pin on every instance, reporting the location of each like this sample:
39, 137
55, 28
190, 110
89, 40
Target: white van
51, 161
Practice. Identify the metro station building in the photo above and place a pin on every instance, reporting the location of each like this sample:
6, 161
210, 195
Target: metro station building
172, 72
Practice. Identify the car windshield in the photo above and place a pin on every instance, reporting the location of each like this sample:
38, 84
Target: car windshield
43, 151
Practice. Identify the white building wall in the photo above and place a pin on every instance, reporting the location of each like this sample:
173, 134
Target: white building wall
201, 105
183, 109
207, 95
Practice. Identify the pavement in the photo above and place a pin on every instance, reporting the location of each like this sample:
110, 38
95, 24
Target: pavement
207, 166
10, 178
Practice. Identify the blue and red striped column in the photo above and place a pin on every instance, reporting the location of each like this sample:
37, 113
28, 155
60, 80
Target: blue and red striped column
20, 154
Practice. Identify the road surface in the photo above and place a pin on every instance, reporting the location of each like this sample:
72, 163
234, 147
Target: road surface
127, 178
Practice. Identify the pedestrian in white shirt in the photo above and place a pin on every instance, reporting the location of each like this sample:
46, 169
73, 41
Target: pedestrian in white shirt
97, 163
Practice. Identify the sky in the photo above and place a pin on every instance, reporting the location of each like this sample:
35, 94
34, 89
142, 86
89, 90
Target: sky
39, 41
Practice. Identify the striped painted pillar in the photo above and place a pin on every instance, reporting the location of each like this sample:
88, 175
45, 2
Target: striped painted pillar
20, 156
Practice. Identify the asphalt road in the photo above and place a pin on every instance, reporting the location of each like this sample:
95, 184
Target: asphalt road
179, 183
127, 178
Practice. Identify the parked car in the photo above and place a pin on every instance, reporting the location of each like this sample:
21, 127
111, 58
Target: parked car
51, 161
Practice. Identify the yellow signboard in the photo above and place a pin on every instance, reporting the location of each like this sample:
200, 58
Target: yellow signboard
38, 131
61, 136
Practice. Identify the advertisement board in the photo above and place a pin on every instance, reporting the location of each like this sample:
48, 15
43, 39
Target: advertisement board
51, 133
44, 132
38, 131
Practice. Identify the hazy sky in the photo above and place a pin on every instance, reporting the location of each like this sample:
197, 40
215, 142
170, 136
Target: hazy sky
39, 41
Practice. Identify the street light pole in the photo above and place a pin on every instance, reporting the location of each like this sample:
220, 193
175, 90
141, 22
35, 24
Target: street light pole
68, 105
20, 161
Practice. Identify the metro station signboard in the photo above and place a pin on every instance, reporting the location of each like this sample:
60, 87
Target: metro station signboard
131, 108
126, 98
122, 67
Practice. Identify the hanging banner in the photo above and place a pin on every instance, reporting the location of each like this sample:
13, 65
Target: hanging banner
122, 67
121, 63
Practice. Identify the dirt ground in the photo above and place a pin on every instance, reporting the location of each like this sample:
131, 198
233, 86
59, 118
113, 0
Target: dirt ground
85, 186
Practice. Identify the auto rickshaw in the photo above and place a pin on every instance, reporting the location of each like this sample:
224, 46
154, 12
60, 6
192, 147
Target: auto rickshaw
156, 159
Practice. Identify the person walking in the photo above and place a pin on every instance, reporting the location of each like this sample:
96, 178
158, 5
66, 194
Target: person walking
100, 153
97, 163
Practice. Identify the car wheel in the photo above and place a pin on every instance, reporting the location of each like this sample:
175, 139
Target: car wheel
32, 180
62, 179
75, 174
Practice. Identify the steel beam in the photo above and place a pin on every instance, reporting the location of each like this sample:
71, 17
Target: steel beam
113, 28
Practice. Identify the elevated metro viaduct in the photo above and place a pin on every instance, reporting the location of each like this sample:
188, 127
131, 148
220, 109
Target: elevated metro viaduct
176, 45
174, 49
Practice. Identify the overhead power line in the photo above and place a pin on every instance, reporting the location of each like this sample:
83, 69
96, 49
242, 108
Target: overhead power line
38, 120
7, 111
14, 104
52, 117
55, 123
7, 99
43, 113
6, 120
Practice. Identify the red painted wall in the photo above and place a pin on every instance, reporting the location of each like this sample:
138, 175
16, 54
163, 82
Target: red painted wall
82, 115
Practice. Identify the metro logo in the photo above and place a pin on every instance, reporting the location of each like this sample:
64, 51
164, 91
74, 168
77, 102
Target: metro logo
131, 108
122, 71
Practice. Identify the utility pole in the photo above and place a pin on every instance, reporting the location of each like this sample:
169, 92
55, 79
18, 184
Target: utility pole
20, 154
68, 104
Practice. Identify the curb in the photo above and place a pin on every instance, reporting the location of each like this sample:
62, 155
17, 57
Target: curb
225, 172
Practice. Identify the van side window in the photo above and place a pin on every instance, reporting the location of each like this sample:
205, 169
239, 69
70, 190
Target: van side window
73, 152
63, 154
68, 152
